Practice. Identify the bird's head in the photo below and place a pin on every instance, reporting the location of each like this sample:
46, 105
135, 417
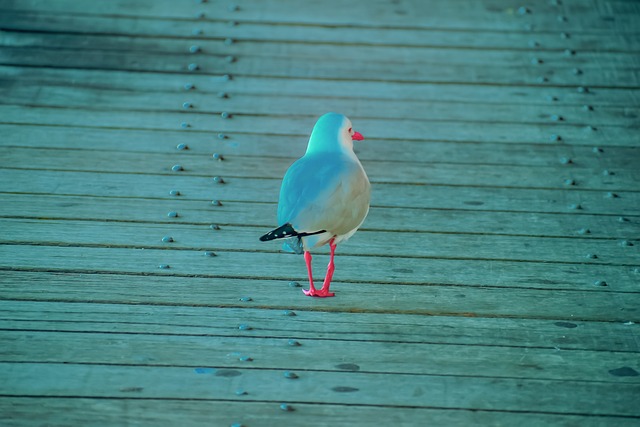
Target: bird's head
333, 132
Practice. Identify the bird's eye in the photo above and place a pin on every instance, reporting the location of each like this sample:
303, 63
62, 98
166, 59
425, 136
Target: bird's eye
350, 130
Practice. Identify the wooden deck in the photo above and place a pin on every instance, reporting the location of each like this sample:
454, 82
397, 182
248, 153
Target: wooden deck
496, 281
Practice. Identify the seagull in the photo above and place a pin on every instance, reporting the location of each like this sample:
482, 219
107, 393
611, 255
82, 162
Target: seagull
324, 196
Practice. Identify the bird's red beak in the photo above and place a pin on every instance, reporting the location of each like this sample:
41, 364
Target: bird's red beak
357, 136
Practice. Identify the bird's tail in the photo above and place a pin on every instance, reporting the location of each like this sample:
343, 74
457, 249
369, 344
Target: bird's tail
280, 233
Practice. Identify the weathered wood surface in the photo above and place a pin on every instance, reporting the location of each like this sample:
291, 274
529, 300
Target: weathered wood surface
495, 281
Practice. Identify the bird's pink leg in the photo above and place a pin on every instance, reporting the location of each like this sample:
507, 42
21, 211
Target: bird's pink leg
324, 292
312, 290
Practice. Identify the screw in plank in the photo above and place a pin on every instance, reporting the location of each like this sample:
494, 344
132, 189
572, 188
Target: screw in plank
210, 254
172, 214
623, 219
626, 243
164, 266
566, 160
197, 32
193, 67
577, 71
562, 18
592, 256
167, 239
293, 343
294, 284
245, 359
174, 192
182, 146
591, 128
286, 407
218, 180
290, 375
214, 227
229, 41
185, 125
232, 23
587, 107
222, 136
187, 105
583, 89
189, 86
290, 313
536, 61
556, 118
230, 59
569, 182
244, 327
584, 231
200, 15
569, 52
245, 299
233, 8
600, 283
565, 35
216, 203
533, 43
225, 115
607, 172
555, 137
217, 156
523, 10
177, 168
597, 150
611, 195
241, 392
223, 95
575, 206
195, 49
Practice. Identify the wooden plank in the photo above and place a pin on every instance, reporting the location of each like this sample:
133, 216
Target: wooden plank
199, 103
283, 67
330, 53
613, 158
163, 318
61, 412
212, 29
263, 214
513, 289
443, 391
38, 346
379, 171
277, 125
424, 196
553, 97
418, 245
491, 15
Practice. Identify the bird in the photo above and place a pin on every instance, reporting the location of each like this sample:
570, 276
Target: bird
324, 196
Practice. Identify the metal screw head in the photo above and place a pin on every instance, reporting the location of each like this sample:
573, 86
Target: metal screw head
210, 254
185, 125
584, 231
200, 15
189, 86
222, 136
217, 156
555, 137
294, 343
227, 77
583, 89
600, 283
228, 41
193, 67
295, 284
536, 61
575, 206
197, 31
523, 10
164, 266
186, 105
214, 227
556, 118
623, 219
245, 359
565, 35
562, 18
569, 52
576, 71
587, 107
245, 299
607, 172
233, 8
542, 79
533, 43
225, 115
174, 192
289, 313
177, 168
241, 392
218, 180
216, 203
194, 49
172, 214
230, 59
597, 150
569, 182
592, 256
232, 23
182, 146
552, 98
286, 407
244, 327
566, 160
167, 239
222, 95
611, 195
626, 243
290, 375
